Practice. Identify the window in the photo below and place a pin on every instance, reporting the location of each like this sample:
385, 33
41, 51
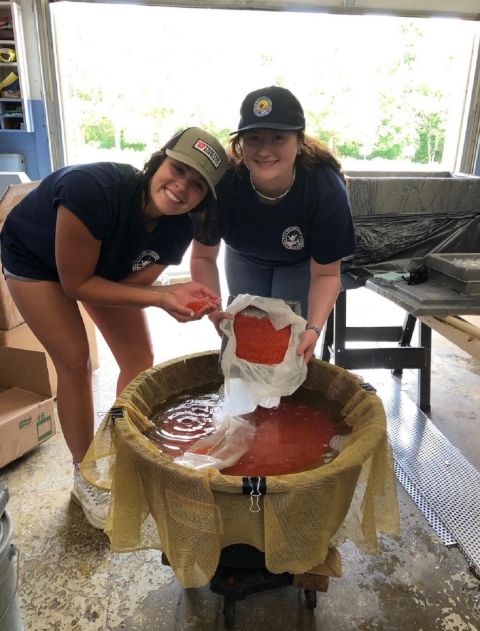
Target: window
387, 93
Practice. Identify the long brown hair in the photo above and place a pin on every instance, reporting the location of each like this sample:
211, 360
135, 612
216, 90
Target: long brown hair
313, 153
206, 209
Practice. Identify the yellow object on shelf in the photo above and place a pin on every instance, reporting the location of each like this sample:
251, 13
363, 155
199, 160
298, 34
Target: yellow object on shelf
12, 77
7, 55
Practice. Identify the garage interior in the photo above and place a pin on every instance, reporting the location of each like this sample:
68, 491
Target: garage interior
69, 579
425, 579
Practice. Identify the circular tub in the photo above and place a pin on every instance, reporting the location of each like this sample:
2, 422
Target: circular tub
193, 515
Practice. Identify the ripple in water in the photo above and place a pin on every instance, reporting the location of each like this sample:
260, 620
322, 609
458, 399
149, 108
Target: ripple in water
295, 436
183, 423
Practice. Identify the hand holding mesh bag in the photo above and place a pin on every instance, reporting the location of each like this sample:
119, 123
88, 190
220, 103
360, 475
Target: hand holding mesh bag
273, 337
248, 384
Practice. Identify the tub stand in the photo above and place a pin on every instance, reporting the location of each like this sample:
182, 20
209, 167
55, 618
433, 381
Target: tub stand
242, 571
236, 583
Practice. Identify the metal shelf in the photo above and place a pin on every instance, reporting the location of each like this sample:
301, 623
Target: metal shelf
19, 67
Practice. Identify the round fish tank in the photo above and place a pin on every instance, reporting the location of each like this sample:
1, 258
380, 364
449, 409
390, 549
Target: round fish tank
195, 516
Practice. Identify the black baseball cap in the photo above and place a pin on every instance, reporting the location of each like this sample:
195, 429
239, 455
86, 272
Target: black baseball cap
271, 108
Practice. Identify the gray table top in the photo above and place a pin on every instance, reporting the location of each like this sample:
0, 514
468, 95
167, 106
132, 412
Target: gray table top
426, 299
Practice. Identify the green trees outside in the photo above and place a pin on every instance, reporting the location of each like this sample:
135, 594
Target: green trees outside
386, 95
406, 107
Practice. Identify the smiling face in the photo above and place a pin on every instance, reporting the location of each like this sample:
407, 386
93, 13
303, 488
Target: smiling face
175, 188
270, 154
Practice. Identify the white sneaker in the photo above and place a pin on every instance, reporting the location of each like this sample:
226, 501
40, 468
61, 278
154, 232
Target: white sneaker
94, 502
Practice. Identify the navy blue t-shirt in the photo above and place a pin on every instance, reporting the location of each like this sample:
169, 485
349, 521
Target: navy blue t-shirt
106, 197
313, 220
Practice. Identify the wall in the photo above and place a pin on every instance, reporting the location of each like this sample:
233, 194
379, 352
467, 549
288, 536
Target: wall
44, 146
33, 145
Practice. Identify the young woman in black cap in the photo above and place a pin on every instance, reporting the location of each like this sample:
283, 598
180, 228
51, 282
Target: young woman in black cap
101, 234
283, 213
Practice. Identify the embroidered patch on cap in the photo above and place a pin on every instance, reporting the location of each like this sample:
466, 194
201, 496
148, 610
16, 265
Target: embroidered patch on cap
262, 106
209, 151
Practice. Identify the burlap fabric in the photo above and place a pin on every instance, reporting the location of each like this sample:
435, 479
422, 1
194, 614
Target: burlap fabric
191, 515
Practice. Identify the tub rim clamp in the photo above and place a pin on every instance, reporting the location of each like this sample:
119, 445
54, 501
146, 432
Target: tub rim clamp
255, 487
117, 412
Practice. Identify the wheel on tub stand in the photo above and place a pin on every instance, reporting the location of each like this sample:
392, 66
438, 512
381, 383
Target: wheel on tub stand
311, 598
229, 612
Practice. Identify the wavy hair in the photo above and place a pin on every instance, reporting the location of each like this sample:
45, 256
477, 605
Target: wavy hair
313, 153
206, 209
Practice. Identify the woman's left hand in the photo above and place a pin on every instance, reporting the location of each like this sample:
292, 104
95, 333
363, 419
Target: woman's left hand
307, 344
193, 295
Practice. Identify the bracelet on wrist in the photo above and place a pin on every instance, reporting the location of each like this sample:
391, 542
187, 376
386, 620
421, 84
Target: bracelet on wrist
310, 327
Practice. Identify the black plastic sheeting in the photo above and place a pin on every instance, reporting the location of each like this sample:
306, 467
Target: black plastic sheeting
400, 243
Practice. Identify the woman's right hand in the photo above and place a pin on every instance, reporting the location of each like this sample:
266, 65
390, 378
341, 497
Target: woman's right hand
307, 345
217, 316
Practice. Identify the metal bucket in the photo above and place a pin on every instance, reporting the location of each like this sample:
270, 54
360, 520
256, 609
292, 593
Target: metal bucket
10, 619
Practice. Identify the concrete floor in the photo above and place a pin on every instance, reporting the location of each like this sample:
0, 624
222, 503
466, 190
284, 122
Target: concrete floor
69, 579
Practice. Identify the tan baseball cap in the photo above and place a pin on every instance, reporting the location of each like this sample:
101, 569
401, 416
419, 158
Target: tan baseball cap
201, 151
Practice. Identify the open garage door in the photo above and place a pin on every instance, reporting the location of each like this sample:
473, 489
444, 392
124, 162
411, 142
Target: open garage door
465, 9
214, 85
450, 123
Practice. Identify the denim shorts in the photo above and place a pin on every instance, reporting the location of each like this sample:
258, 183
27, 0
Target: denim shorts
8, 274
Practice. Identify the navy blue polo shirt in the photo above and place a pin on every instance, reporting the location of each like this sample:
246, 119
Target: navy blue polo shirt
313, 220
106, 197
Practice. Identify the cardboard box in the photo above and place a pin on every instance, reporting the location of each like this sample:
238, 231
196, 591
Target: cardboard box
27, 413
14, 332
14, 194
11, 93
22, 337
9, 314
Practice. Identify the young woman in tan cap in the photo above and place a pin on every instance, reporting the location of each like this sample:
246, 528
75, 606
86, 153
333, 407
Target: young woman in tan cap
101, 234
283, 213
